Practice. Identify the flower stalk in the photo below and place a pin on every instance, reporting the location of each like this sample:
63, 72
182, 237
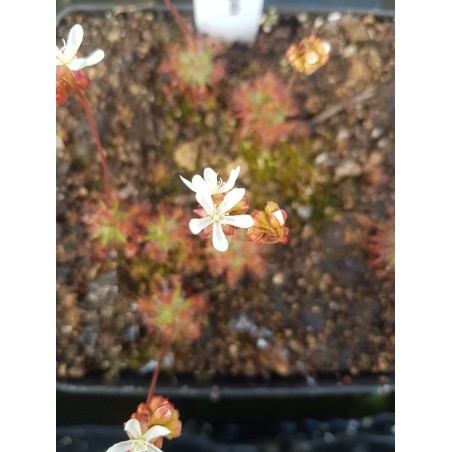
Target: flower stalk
292, 79
100, 150
155, 377
71, 77
189, 36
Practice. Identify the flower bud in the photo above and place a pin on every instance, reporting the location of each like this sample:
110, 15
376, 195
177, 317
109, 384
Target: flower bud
159, 411
311, 54
269, 225
67, 81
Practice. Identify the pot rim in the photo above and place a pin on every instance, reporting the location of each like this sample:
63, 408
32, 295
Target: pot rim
228, 392
283, 7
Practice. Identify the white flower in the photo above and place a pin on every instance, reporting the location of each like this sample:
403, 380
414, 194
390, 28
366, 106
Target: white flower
67, 54
139, 442
219, 215
211, 179
279, 216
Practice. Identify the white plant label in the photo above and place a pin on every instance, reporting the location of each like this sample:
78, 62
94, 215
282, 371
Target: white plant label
229, 20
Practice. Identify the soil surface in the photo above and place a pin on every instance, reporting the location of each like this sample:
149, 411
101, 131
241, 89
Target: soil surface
321, 306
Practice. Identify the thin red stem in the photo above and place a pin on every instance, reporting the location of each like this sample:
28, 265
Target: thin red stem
182, 24
99, 147
69, 78
162, 354
292, 79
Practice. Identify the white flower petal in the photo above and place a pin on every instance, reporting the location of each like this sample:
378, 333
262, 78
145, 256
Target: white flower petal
77, 64
204, 198
196, 225
74, 41
156, 432
231, 181
152, 448
239, 221
231, 199
95, 57
211, 178
123, 446
133, 428
219, 240
279, 216
200, 184
60, 58
188, 183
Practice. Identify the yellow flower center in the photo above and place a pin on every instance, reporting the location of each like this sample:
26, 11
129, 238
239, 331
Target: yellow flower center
139, 445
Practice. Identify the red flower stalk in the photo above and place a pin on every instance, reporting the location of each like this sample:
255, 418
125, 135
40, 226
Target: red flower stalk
70, 78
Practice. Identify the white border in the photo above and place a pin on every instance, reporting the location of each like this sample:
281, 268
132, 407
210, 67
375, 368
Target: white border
423, 226
27, 187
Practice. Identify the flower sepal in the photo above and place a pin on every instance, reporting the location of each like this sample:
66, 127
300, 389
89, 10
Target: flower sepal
159, 412
67, 81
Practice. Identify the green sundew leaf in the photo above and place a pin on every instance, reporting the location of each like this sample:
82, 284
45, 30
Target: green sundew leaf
197, 68
108, 234
258, 99
165, 316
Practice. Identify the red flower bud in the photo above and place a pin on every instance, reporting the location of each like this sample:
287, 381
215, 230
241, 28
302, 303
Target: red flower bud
159, 411
269, 225
67, 81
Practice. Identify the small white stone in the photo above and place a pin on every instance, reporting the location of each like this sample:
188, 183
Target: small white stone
66, 329
343, 134
377, 132
278, 278
321, 158
59, 143
318, 22
367, 422
302, 17
262, 344
383, 143
304, 212
328, 437
334, 16
308, 191
349, 50
348, 168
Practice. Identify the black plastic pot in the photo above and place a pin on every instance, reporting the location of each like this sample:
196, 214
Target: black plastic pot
81, 403
368, 434
334, 417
